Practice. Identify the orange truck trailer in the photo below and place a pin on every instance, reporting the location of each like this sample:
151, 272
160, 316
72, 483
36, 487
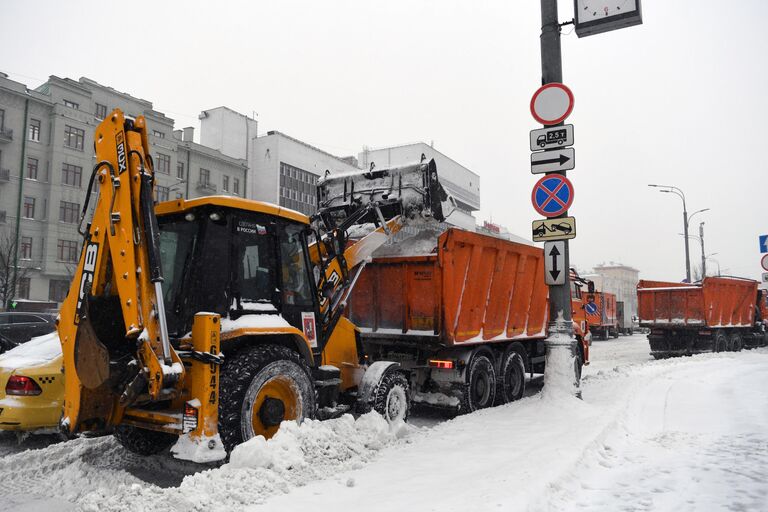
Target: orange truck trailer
465, 323
718, 314
601, 315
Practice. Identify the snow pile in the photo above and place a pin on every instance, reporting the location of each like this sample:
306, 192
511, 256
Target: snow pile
258, 321
259, 468
422, 243
203, 449
37, 351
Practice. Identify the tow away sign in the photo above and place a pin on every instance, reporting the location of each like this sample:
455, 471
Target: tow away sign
554, 263
562, 228
552, 138
553, 161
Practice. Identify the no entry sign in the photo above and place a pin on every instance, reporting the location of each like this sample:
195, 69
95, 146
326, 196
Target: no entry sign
552, 103
552, 195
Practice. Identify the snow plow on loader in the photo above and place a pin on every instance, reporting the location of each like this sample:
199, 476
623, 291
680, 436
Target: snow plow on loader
210, 321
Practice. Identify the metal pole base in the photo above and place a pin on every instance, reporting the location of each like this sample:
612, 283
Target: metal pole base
562, 373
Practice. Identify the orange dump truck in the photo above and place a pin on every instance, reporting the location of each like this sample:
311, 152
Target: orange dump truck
718, 314
601, 315
466, 323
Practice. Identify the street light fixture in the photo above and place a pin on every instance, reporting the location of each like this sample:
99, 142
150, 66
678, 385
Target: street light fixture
669, 189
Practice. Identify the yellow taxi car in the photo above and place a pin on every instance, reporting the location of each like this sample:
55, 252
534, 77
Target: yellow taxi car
32, 385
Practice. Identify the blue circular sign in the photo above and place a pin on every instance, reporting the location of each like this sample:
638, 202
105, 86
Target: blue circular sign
591, 308
552, 195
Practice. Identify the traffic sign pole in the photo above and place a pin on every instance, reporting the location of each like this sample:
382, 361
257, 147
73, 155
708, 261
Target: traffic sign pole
561, 344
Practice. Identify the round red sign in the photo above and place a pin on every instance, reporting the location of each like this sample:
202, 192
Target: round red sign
552, 103
764, 261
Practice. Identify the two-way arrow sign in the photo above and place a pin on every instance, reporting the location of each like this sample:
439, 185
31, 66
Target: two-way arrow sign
553, 160
554, 262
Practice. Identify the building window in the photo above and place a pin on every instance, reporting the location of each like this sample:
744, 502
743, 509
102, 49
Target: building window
101, 111
73, 137
298, 189
66, 250
180, 170
68, 212
161, 193
236, 186
29, 207
158, 134
22, 288
58, 289
72, 104
71, 175
26, 247
225, 183
205, 176
32, 168
34, 130
163, 164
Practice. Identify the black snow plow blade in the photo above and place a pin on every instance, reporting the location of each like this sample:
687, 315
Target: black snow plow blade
410, 190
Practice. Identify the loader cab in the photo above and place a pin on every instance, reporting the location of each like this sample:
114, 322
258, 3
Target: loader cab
234, 262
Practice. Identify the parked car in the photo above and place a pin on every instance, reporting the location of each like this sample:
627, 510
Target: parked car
32, 385
19, 327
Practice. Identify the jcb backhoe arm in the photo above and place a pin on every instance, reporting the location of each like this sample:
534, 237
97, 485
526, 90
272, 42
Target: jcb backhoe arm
112, 324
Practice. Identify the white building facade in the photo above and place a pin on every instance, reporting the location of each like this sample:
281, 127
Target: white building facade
621, 280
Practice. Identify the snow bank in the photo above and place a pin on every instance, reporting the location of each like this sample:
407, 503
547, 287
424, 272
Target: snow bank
37, 351
259, 468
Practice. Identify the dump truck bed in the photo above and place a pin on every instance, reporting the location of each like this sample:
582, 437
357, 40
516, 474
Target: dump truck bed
476, 289
717, 302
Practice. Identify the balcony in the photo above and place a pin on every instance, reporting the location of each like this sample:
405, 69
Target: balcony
206, 187
5, 175
6, 135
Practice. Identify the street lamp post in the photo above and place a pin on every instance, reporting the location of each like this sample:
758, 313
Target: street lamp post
679, 193
703, 258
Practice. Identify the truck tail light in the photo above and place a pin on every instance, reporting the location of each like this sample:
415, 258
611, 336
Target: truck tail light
22, 386
441, 363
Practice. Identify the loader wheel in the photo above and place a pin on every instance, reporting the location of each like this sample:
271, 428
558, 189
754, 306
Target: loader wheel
510, 384
261, 386
480, 388
735, 342
392, 397
142, 441
720, 343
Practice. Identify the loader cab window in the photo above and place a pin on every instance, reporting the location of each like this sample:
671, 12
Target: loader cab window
296, 289
178, 237
253, 279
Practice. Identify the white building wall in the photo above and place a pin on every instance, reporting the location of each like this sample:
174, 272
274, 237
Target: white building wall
228, 131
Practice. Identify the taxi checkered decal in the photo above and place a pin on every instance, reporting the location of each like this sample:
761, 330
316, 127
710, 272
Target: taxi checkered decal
47, 380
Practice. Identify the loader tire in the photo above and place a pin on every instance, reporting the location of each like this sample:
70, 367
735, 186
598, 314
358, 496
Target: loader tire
480, 386
142, 441
392, 397
510, 384
260, 387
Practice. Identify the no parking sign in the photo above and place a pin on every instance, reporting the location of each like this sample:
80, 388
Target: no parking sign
552, 195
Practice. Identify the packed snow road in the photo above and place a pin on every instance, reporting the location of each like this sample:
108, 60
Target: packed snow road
677, 434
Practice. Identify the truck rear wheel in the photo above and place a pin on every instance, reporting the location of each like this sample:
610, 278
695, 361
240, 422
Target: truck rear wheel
720, 342
511, 380
736, 343
261, 386
480, 387
142, 441
392, 398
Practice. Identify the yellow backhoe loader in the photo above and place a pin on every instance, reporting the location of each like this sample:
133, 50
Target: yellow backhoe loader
215, 319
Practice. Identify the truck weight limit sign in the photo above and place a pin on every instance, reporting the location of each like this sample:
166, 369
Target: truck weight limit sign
552, 103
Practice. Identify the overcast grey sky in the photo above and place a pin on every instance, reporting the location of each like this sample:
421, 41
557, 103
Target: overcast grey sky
679, 100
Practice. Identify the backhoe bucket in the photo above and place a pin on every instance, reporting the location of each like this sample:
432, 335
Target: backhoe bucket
410, 190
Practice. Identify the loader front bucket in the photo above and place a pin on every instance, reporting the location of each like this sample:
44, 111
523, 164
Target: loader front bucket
411, 190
